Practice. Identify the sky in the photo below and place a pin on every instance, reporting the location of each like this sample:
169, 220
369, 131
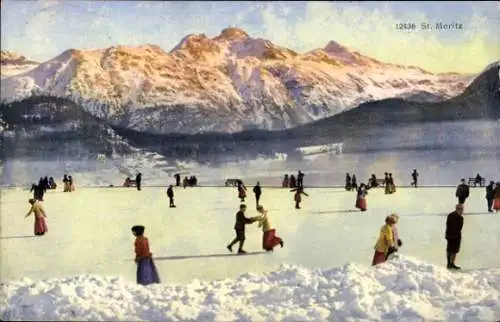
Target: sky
43, 29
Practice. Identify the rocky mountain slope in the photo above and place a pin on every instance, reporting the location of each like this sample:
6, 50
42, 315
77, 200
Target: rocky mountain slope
228, 83
13, 63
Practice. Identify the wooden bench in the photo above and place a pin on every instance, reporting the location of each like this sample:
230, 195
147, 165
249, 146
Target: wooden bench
231, 182
472, 181
131, 183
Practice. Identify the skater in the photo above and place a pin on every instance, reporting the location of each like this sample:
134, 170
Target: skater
239, 228
385, 243
348, 184
177, 180
138, 179
372, 182
361, 197
285, 182
242, 191
299, 191
478, 180
392, 186
37, 192
40, 215
170, 194
462, 192
146, 269
65, 181
257, 191
414, 175
354, 183
496, 197
185, 182
397, 241
387, 183
71, 184
52, 183
489, 195
454, 224
293, 183
269, 238
300, 179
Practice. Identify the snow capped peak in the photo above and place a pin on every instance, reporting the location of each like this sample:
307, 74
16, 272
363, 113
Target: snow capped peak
335, 48
189, 41
232, 33
9, 57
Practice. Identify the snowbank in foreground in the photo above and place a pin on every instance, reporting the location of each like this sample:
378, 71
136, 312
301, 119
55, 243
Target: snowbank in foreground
404, 289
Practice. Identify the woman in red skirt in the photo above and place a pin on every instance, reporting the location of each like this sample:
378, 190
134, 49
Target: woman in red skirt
40, 224
269, 238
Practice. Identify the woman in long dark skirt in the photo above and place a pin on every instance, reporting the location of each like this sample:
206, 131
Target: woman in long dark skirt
146, 269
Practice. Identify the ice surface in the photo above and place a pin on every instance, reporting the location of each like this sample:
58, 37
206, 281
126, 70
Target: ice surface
88, 255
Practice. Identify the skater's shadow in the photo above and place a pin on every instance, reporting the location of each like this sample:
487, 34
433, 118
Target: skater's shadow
14, 237
334, 212
170, 258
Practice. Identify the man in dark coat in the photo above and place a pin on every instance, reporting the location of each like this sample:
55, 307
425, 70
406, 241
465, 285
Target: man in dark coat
300, 179
37, 192
454, 224
462, 192
170, 194
489, 195
414, 175
177, 180
239, 228
257, 191
138, 179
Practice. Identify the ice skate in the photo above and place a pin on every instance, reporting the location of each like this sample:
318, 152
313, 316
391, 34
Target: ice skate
241, 251
281, 244
229, 248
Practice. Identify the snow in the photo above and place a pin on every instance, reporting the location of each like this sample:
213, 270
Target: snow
322, 273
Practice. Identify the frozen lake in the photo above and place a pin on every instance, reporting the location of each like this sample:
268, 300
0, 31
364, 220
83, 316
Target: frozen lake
89, 231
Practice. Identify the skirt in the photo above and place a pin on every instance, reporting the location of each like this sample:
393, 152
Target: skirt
40, 226
147, 272
393, 188
270, 240
361, 204
378, 258
496, 203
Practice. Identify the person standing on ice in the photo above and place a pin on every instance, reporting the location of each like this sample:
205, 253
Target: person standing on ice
39, 213
146, 269
490, 195
453, 235
299, 191
385, 243
239, 228
292, 182
170, 194
397, 241
138, 179
71, 184
37, 192
242, 190
462, 192
300, 179
387, 183
361, 197
496, 197
354, 182
65, 183
414, 175
177, 180
285, 181
392, 186
257, 191
348, 184
269, 238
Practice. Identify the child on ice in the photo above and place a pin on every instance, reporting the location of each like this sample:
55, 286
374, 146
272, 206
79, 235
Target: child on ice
39, 213
385, 243
269, 238
299, 191
146, 269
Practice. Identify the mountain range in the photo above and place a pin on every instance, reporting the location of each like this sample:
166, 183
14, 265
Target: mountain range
229, 83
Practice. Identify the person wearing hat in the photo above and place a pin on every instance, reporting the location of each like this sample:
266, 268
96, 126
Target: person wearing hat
269, 237
496, 197
170, 195
239, 228
395, 236
146, 269
454, 224
490, 195
39, 213
385, 243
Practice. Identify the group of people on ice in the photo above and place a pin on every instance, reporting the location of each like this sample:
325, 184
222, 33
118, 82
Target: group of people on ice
292, 181
69, 184
43, 185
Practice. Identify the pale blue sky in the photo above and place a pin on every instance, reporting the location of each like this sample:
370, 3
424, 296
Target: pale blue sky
43, 29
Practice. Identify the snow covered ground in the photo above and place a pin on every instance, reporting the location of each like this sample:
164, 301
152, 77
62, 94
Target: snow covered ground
84, 269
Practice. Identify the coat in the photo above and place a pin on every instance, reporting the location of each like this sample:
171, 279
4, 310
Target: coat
241, 221
385, 239
462, 191
257, 190
264, 223
454, 224
489, 191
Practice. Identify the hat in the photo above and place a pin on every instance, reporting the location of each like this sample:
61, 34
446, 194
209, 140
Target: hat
139, 230
260, 209
390, 219
395, 216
